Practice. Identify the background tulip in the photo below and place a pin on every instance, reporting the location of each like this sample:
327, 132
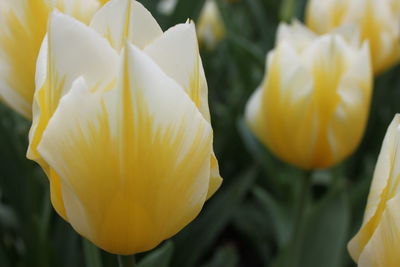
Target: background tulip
378, 22
312, 107
377, 242
22, 29
134, 164
210, 29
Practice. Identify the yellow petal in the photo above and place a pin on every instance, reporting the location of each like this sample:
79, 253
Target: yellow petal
144, 146
22, 29
176, 52
377, 22
71, 50
122, 20
383, 188
382, 249
321, 90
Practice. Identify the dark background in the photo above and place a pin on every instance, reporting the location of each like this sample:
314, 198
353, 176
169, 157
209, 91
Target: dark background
249, 221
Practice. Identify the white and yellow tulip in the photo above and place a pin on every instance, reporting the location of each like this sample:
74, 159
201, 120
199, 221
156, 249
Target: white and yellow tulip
378, 22
312, 106
121, 126
211, 29
376, 243
23, 25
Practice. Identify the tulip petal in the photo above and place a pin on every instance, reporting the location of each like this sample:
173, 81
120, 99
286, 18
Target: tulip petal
176, 52
384, 184
146, 148
71, 49
21, 23
122, 20
383, 247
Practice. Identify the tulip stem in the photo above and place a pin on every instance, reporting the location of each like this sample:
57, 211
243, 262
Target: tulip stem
92, 254
300, 211
126, 261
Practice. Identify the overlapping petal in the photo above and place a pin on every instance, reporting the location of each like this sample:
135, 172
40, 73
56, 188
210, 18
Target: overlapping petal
319, 87
383, 198
130, 134
377, 22
126, 20
107, 96
70, 50
22, 29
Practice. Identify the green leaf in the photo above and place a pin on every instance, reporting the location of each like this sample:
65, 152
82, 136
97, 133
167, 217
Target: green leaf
160, 257
326, 232
224, 257
256, 230
199, 236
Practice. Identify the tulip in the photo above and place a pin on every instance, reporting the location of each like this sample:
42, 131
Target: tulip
378, 22
22, 29
312, 106
378, 240
211, 28
166, 7
121, 126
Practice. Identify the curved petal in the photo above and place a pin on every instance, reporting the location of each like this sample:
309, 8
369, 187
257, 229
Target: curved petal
22, 28
71, 49
384, 185
81, 10
145, 146
122, 20
176, 52
383, 247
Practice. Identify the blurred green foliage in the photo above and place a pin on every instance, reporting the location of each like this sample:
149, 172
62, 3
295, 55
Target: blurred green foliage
249, 221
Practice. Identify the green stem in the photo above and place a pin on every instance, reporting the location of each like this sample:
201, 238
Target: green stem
92, 254
126, 261
299, 219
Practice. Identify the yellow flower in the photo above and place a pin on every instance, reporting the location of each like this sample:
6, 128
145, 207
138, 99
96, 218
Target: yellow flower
312, 107
377, 242
22, 29
121, 126
210, 28
378, 22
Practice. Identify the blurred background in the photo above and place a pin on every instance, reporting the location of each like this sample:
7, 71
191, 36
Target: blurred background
249, 221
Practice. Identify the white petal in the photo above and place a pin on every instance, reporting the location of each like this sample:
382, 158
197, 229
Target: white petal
121, 20
146, 148
176, 52
72, 50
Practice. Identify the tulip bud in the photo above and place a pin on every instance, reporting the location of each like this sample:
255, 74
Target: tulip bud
166, 7
121, 126
378, 240
312, 107
378, 22
211, 28
22, 29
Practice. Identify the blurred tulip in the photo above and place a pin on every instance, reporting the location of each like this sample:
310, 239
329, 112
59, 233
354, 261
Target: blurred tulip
378, 21
210, 28
376, 243
22, 29
122, 128
312, 107
166, 7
